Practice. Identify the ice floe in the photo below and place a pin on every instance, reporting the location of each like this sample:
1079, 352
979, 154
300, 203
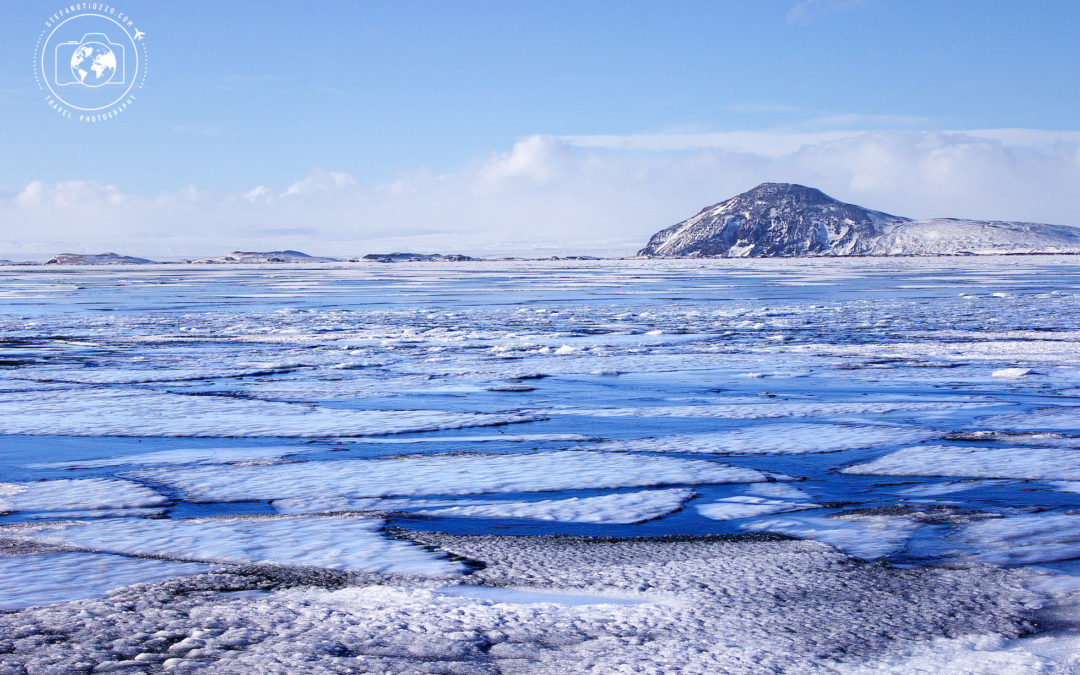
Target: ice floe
867, 537
777, 409
148, 413
748, 506
1023, 539
1012, 373
622, 508
948, 460
789, 439
445, 474
1065, 418
43, 578
181, 456
77, 495
335, 542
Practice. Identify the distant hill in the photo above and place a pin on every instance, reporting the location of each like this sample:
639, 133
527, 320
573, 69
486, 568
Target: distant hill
263, 257
414, 257
96, 259
783, 220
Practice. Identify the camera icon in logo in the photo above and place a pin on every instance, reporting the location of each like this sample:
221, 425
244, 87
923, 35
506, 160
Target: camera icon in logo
93, 61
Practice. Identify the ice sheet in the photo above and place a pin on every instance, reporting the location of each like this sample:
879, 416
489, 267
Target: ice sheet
146, 413
182, 456
942, 460
336, 542
792, 439
80, 494
445, 474
748, 506
774, 410
631, 507
1047, 419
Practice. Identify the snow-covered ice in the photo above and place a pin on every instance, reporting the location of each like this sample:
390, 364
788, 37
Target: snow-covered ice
1028, 538
81, 494
445, 474
183, 456
867, 537
747, 506
973, 462
708, 606
336, 542
43, 578
621, 508
779, 439
145, 413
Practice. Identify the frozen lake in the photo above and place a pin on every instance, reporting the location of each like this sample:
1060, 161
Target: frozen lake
158, 422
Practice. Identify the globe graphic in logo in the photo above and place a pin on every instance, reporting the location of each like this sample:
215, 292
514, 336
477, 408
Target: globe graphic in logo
93, 64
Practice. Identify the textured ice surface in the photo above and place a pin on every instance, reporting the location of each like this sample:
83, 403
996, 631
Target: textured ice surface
942, 460
168, 414
867, 538
630, 507
81, 494
42, 578
339, 543
779, 439
707, 606
446, 474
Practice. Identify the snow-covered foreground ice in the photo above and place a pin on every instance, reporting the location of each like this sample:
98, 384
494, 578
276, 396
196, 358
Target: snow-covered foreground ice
443, 474
707, 606
337, 543
900, 410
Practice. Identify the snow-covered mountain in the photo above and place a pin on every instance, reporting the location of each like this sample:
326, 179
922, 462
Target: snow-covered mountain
262, 257
95, 259
783, 219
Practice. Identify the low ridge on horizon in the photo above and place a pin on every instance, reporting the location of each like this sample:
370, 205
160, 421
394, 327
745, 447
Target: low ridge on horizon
792, 220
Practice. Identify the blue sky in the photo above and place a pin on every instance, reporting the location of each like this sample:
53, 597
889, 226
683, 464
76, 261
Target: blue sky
525, 103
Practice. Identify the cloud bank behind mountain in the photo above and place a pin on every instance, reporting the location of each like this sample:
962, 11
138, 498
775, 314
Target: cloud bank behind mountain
548, 195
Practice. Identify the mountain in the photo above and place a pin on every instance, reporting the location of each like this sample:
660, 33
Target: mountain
98, 259
263, 257
783, 219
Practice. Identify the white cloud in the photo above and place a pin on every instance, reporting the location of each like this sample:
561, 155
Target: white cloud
552, 195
